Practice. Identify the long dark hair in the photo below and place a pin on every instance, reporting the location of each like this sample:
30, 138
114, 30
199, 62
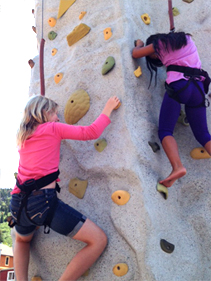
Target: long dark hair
170, 41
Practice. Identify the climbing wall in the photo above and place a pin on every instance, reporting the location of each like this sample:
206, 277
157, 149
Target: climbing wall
150, 237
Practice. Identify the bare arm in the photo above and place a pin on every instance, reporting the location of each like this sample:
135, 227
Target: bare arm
140, 51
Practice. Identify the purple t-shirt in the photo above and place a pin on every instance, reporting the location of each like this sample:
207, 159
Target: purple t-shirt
186, 56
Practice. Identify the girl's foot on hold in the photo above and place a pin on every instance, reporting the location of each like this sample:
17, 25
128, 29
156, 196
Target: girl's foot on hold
175, 175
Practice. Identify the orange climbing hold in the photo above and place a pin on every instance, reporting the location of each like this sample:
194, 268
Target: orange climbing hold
199, 153
120, 197
58, 77
146, 19
64, 6
82, 14
52, 22
120, 269
53, 52
107, 33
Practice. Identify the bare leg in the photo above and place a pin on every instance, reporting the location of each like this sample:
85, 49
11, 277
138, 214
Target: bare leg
178, 170
96, 241
21, 256
208, 147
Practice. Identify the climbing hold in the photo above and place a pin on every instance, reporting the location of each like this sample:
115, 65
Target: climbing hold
138, 72
199, 153
188, 1
78, 187
76, 107
86, 273
163, 190
52, 22
34, 29
107, 33
145, 18
53, 52
175, 11
78, 32
155, 147
166, 246
118, 105
108, 65
82, 14
182, 118
64, 6
100, 145
52, 35
15, 175
31, 63
36, 278
120, 197
120, 269
58, 77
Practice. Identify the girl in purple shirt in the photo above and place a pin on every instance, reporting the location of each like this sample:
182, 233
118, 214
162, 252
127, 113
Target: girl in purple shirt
176, 49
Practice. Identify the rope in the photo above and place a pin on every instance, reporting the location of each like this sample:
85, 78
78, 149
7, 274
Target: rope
42, 43
171, 17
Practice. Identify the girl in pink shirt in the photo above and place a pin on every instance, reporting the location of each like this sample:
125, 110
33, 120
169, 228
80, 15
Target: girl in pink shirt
174, 50
34, 199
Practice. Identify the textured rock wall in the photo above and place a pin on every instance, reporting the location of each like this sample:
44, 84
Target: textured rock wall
128, 163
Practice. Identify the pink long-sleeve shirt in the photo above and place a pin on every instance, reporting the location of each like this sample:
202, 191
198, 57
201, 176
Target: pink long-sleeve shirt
41, 151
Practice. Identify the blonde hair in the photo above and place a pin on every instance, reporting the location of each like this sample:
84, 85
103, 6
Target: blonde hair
36, 112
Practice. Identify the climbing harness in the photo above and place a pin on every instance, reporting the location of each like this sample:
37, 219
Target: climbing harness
171, 17
41, 60
193, 74
33, 185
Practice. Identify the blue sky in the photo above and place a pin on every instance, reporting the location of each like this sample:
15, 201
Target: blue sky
18, 45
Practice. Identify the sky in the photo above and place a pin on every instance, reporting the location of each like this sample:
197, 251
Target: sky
18, 44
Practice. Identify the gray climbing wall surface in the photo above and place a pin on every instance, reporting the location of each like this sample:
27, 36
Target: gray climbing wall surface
128, 162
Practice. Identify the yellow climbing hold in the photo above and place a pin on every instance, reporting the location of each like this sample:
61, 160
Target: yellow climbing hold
146, 19
53, 52
138, 72
77, 106
78, 187
52, 22
82, 14
36, 278
120, 197
64, 6
163, 190
100, 145
58, 77
175, 11
107, 33
78, 32
120, 269
199, 153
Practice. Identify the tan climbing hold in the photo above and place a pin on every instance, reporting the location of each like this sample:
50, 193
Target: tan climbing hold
53, 52
146, 19
138, 72
64, 6
120, 197
52, 22
107, 33
78, 32
163, 190
118, 105
36, 278
188, 1
77, 106
82, 14
78, 187
199, 153
100, 145
58, 77
120, 269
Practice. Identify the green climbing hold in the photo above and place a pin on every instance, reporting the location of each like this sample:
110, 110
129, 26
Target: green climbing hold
52, 35
175, 11
155, 147
100, 145
108, 65
163, 190
78, 187
166, 246
182, 118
